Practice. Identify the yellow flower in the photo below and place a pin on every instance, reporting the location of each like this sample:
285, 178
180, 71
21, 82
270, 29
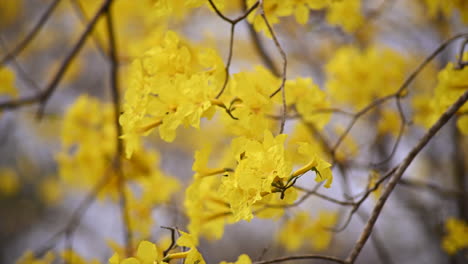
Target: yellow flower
243, 259
9, 182
29, 258
50, 191
307, 98
7, 81
358, 77
170, 85
302, 230
321, 167
456, 237
259, 165
147, 253
346, 13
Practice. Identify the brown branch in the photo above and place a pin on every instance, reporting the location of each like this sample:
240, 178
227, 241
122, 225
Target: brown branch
401, 90
21, 72
114, 84
285, 64
429, 187
43, 96
233, 23
75, 219
261, 50
173, 240
399, 173
312, 256
79, 10
459, 172
31, 35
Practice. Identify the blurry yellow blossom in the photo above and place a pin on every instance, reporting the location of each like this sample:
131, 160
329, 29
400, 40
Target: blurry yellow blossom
389, 122
374, 177
308, 98
69, 256
302, 230
243, 259
50, 191
87, 154
147, 253
345, 13
462, 124
349, 147
206, 209
29, 258
9, 12
456, 237
447, 8
358, 77
9, 182
7, 82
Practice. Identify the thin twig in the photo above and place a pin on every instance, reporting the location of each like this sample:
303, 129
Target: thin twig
401, 90
399, 173
75, 219
43, 96
21, 72
173, 240
261, 50
31, 35
114, 84
312, 256
285, 65
233, 23
79, 10
430, 187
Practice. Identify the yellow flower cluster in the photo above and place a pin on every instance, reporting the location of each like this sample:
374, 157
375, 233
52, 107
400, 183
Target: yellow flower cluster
302, 230
172, 84
452, 82
87, 156
9, 182
148, 253
345, 13
7, 80
259, 164
243, 259
358, 77
87, 153
456, 237
262, 175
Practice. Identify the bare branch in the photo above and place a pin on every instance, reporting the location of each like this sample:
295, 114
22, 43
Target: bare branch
114, 84
32, 34
43, 96
399, 173
312, 256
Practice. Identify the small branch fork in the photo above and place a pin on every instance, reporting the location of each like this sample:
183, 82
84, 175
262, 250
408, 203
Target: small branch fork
233, 23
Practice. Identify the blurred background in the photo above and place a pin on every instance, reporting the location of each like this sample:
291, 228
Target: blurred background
36, 203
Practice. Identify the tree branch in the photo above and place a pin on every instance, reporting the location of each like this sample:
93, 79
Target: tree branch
399, 173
